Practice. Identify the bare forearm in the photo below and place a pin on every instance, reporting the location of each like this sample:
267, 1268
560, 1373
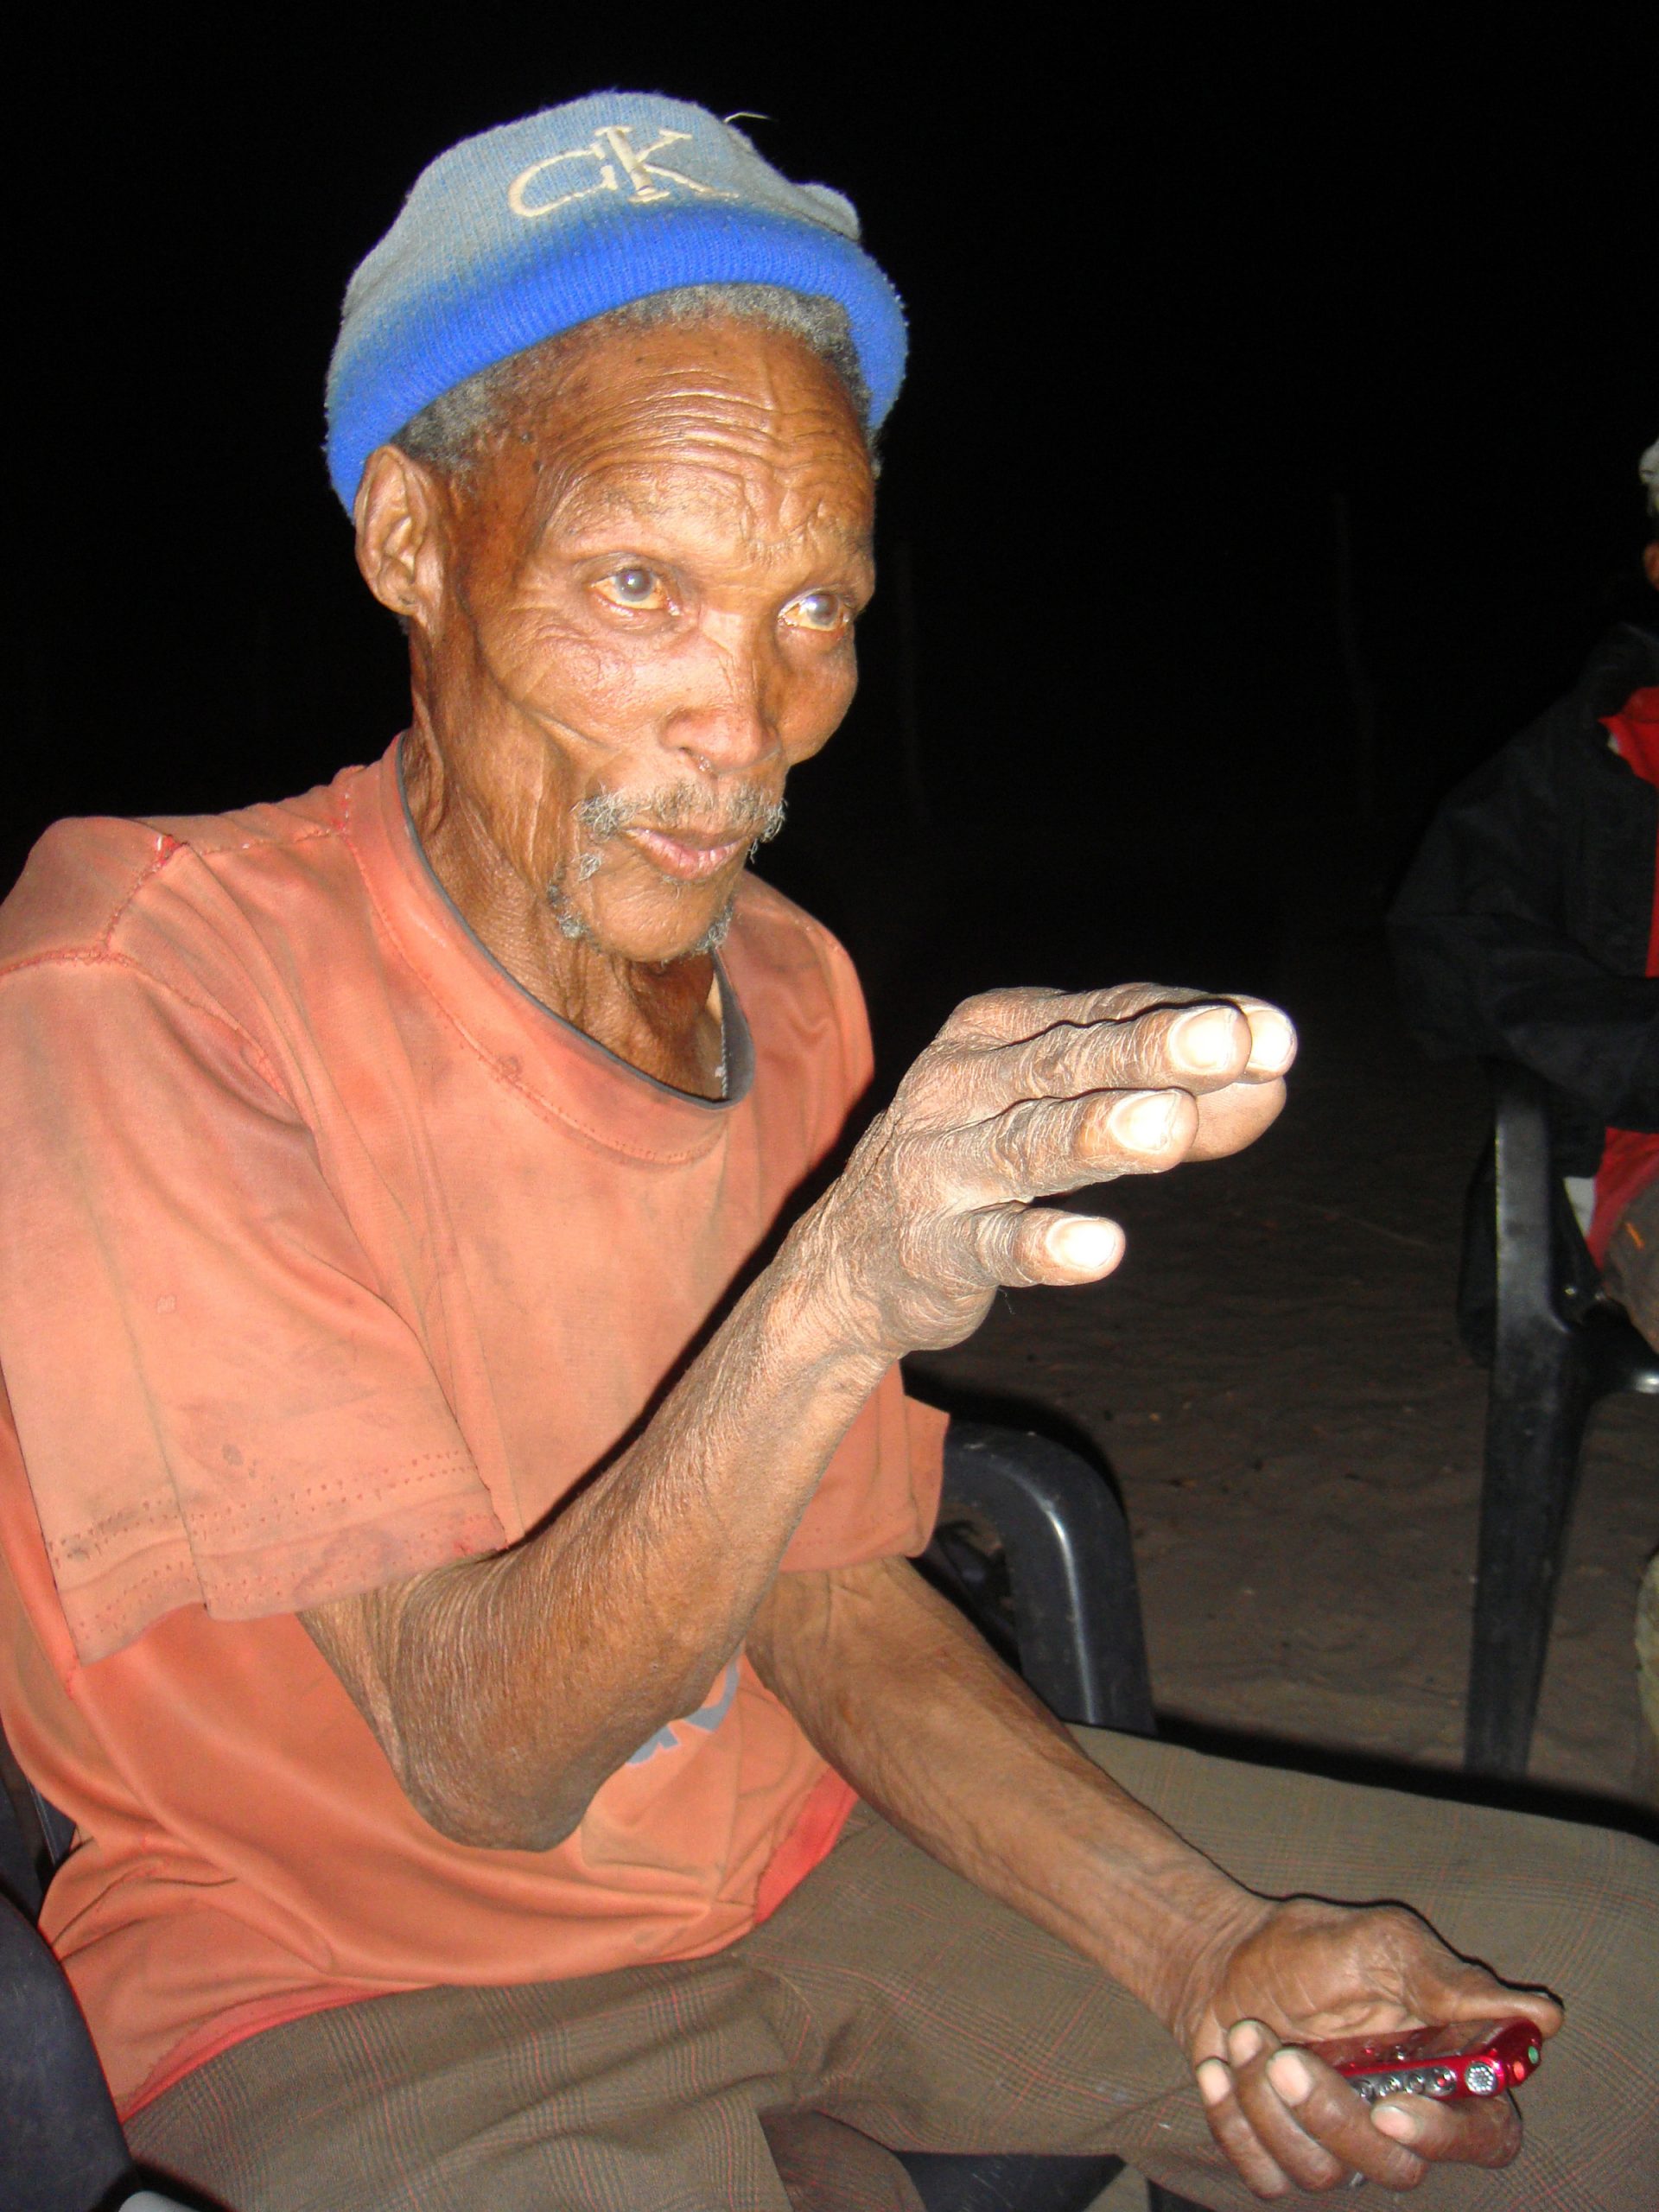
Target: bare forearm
905, 1700
506, 1689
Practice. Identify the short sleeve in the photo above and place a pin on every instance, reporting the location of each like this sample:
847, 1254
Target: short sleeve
214, 1403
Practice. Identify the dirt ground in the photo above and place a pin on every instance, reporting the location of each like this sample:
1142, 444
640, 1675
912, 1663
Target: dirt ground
1274, 1378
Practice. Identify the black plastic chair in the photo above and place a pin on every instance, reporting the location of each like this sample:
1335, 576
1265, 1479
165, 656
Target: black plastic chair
61, 2148
1530, 1305
1032, 1542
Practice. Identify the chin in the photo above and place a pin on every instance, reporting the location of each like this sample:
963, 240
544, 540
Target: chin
676, 937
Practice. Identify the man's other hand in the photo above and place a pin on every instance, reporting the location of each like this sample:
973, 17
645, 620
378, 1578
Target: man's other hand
1025, 1093
1307, 1972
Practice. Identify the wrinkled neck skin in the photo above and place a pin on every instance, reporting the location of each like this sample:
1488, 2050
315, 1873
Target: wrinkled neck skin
628, 621
662, 1017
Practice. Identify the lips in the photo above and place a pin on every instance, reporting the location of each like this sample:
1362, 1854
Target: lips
688, 856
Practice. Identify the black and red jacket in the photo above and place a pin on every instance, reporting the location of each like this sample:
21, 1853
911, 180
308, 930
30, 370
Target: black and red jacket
1527, 928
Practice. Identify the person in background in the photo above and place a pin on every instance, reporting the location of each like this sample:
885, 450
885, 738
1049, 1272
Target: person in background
1528, 929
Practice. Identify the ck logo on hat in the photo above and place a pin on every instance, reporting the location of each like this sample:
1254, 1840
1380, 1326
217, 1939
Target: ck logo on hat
613, 149
535, 228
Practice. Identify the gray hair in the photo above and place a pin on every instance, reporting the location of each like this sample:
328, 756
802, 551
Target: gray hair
453, 432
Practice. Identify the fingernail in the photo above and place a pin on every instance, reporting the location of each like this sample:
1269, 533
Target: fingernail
1397, 2121
1144, 1121
1204, 1039
1288, 2074
1081, 1242
1214, 2080
1272, 1041
1244, 2040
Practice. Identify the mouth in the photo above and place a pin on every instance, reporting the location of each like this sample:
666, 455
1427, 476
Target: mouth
688, 856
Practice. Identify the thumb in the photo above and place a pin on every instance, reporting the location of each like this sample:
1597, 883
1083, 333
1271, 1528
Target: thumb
1446, 1988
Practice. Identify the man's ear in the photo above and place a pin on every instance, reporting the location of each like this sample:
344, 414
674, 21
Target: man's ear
1650, 563
398, 513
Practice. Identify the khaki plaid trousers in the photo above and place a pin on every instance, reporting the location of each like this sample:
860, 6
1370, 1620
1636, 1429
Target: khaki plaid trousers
887, 2003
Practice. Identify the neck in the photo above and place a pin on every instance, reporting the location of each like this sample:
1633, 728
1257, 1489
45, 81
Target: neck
663, 1018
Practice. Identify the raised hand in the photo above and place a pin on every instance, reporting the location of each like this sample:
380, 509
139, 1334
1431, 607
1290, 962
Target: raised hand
1026, 1094
1302, 1972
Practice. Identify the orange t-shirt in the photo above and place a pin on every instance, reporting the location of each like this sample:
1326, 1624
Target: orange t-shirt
328, 1255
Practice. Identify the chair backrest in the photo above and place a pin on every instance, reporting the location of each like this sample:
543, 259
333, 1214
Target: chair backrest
1071, 1566
61, 2148
34, 1837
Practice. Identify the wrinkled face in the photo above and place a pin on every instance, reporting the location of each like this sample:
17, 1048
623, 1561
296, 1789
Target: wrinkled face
644, 619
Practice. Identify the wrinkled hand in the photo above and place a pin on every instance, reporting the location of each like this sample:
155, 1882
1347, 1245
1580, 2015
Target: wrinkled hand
1306, 1971
1025, 1093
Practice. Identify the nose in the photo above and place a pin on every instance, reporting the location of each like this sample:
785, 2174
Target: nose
725, 722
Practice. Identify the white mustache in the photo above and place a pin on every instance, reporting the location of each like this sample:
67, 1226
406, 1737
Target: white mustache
746, 812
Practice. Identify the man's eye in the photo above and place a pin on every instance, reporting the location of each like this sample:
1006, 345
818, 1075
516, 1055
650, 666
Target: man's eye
815, 610
633, 586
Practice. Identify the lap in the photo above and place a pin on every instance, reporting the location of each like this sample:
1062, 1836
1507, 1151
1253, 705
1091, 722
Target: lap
952, 2024
891, 1996
604, 2094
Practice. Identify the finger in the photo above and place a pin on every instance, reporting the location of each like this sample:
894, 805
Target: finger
1019, 1246
1013, 1016
1328, 2114
1273, 1037
1199, 1048
1235, 2138
1470, 2131
1045, 1145
1232, 1118
1005, 1017
1307, 2162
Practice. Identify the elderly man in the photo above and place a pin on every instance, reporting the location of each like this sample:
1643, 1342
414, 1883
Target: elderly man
461, 1596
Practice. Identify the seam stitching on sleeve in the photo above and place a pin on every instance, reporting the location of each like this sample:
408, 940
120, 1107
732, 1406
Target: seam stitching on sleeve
106, 957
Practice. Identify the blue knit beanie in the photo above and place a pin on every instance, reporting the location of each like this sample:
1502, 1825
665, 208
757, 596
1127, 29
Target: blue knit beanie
532, 228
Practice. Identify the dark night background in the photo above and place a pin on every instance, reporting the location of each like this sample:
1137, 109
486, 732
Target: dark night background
1267, 453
